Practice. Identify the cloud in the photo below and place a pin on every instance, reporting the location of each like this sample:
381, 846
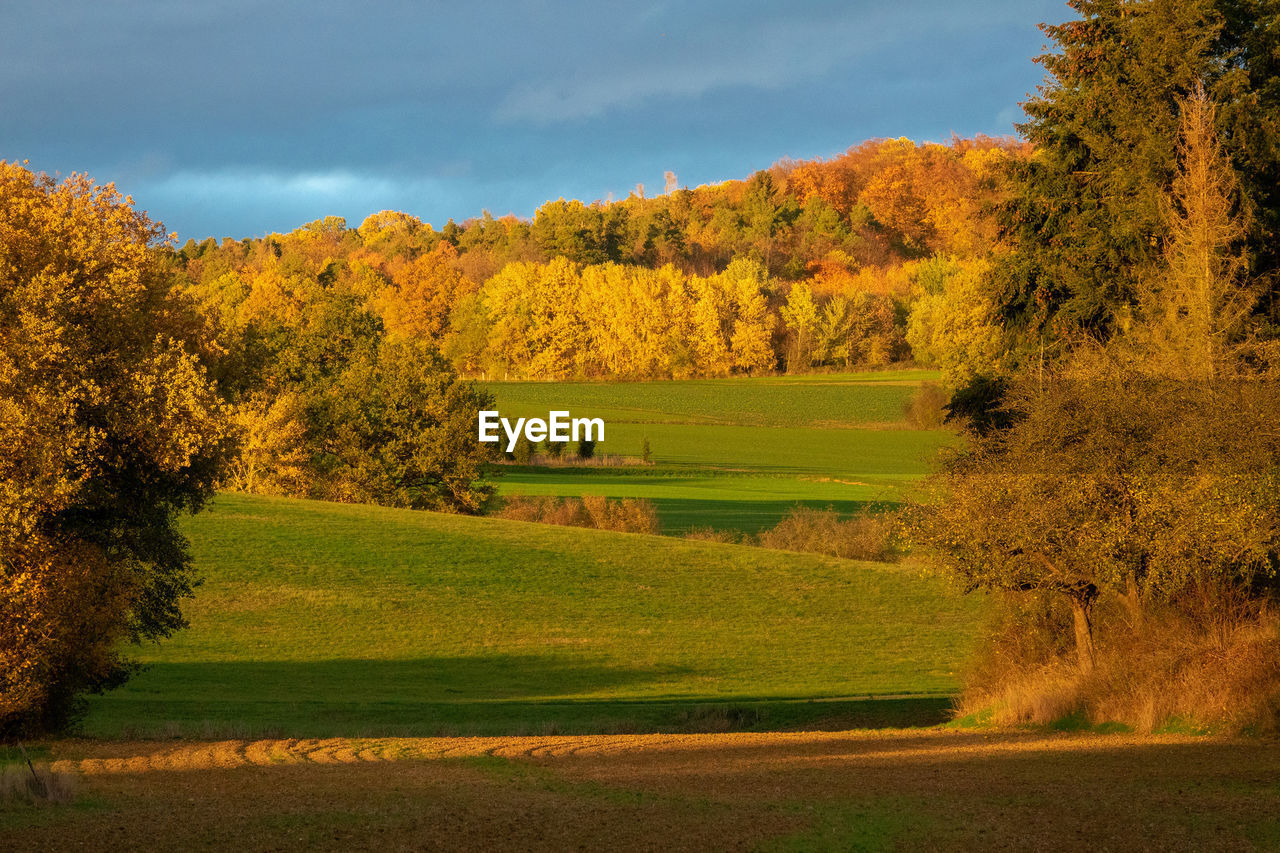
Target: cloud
766, 57
237, 183
243, 116
768, 52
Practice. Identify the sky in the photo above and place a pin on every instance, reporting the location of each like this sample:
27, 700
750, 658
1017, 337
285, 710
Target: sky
240, 118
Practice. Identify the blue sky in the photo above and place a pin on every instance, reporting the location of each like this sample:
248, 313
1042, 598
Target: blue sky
240, 118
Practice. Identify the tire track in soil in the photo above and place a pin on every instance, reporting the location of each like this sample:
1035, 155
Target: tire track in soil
115, 758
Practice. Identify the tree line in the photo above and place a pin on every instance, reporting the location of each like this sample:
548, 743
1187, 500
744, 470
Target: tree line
809, 265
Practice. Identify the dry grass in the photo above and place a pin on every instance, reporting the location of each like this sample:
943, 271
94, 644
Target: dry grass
35, 785
628, 515
860, 537
1170, 671
711, 534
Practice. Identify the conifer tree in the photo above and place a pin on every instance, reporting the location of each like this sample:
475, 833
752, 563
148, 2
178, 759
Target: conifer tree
1085, 220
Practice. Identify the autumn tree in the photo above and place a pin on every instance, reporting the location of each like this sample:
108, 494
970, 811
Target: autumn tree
731, 320
874, 336
639, 287
1192, 311
954, 321
422, 292
397, 428
273, 458
1137, 489
801, 316
109, 428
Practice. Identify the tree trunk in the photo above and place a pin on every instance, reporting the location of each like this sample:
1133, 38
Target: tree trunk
1082, 616
1132, 600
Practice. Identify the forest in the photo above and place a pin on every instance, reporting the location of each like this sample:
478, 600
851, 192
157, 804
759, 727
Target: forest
809, 265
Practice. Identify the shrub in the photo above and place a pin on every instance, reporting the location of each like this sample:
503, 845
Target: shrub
586, 449
398, 428
646, 451
637, 515
861, 537
927, 407
629, 515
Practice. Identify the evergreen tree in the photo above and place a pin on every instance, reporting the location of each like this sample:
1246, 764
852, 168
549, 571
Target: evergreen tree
1085, 221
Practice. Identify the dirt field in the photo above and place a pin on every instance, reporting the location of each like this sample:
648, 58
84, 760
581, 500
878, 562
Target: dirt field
913, 789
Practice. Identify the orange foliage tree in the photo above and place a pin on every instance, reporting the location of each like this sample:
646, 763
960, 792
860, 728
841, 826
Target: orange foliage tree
109, 427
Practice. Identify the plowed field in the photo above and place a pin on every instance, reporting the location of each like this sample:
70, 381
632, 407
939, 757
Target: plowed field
909, 789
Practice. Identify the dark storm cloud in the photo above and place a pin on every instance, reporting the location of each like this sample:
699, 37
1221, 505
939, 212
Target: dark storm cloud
242, 117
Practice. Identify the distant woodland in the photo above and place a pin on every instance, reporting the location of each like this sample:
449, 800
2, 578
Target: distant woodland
854, 261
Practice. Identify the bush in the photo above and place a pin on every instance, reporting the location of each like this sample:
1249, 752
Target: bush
861, 537
629, 515
927, 407
586, 449
398, 428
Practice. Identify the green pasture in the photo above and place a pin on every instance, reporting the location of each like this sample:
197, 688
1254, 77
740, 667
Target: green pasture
736, 454
688, 498
824, 400
323, 619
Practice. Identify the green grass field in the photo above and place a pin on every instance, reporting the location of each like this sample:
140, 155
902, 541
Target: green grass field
824, 400
737, 454
324, 619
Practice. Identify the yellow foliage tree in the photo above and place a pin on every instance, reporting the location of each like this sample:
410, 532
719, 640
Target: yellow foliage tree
1193, 312
273, 457
422, 293
953, 324
108, 428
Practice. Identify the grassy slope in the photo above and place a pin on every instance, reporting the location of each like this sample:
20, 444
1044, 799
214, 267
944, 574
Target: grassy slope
321, 619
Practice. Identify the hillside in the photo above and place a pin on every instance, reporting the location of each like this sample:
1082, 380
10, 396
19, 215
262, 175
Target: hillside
323, 619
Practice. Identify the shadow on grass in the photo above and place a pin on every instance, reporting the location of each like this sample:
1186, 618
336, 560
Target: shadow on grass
679, 515
495, 695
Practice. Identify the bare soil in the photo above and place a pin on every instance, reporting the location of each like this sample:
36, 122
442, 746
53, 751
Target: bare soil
909, 789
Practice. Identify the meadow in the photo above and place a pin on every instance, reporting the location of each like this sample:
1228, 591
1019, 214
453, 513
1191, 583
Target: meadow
321, 619
737, 454
861, 399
